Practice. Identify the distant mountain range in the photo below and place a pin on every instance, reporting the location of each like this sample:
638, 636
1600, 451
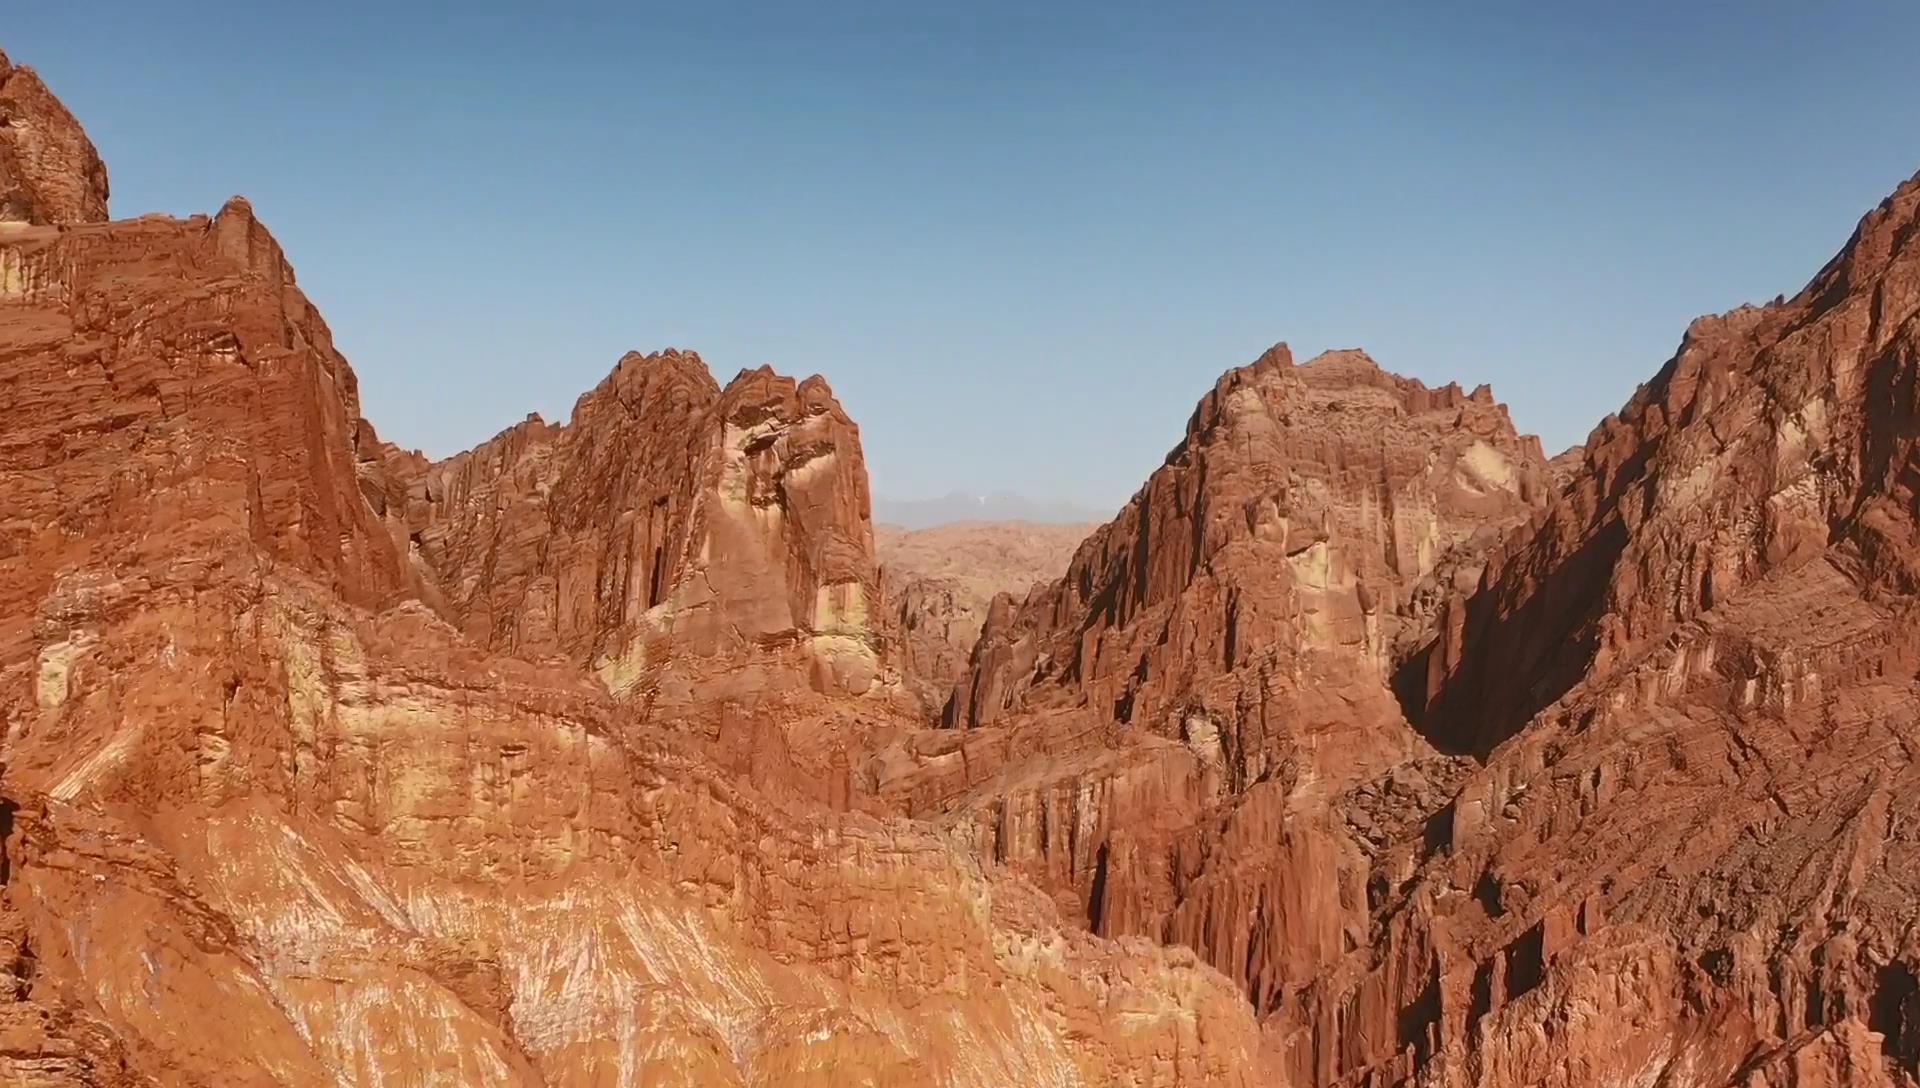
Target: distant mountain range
998, 506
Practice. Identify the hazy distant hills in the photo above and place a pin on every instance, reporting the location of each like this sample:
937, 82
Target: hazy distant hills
998, 506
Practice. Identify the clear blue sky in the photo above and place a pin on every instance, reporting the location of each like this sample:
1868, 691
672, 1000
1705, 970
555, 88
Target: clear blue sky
1020, 240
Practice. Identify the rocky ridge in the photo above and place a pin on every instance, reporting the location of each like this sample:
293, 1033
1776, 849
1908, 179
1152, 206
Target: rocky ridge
49, 172
434, 774
1655, 827
1172, 737
1366, 746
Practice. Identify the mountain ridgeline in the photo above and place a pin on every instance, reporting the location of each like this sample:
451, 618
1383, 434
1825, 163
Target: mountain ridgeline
1365, 746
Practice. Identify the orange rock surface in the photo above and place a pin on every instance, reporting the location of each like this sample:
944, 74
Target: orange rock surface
49, 171
1168, 737
1364, 747
941, 581
325, 765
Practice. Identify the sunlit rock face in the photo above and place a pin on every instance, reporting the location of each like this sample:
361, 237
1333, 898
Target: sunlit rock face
1316, 509
1365, 747
328, 765
1192, 735
686, 543
49, 171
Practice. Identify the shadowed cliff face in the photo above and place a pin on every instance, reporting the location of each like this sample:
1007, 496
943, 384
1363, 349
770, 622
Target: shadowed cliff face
1776, 436
1690, 853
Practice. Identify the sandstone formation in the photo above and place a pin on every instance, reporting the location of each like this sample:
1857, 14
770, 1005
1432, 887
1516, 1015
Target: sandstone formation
670, 531
940, 581
1657, 824
1331, 505
49, 171
325, 765
1365, 747
1689, 855
1174, 736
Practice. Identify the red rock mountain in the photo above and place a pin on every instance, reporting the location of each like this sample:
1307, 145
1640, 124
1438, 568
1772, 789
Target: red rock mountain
49, 171
325, 765
1690, 854
1364, 747
1683, 851
1162, 737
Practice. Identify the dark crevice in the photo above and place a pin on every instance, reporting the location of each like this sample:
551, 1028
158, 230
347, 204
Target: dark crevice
1097, 897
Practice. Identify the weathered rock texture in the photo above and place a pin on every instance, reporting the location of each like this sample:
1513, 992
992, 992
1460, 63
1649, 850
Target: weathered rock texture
940, 581
1192, 735
687, 543
1324, 507
49, 171
1691, 854
1365, 747
1677, 843
324, 765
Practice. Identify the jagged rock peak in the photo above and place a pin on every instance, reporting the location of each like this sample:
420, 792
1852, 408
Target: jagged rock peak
1775, 434
1388, 477
50, 173
1336, 390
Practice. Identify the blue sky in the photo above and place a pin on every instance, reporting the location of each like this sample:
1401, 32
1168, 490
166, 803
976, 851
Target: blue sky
1020, 240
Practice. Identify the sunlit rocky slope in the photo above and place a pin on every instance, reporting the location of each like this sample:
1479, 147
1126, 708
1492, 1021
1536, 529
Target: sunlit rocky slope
1365, 746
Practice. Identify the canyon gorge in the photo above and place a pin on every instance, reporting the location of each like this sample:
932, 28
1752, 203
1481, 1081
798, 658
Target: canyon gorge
1367, 745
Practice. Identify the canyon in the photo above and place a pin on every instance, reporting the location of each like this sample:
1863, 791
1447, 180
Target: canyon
1367, 745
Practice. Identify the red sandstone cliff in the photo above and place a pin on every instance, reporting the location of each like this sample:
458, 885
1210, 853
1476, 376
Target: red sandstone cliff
324, 765
1689, 855
1173, 736
671, 530
521, 768
49, 171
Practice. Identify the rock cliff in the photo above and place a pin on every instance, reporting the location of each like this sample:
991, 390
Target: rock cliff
49, 171
1364, 747
1688, 856
327, 765
1174, 737
670, 532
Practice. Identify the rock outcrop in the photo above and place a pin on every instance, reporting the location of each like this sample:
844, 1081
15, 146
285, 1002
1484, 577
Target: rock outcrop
326, 765
688, 544
1688, 857
49, 172
1191, 735
1315, 508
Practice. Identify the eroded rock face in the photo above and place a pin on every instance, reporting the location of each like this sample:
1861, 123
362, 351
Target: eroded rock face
1316, 508
1689, 854
1189, 736
49, 171
688, 544
569, 761
316, 771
